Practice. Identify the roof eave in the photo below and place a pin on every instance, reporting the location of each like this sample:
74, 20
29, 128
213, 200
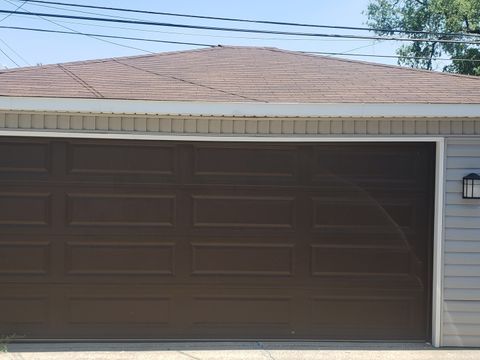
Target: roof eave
238, 109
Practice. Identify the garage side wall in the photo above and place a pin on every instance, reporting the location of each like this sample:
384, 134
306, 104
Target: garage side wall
461, 311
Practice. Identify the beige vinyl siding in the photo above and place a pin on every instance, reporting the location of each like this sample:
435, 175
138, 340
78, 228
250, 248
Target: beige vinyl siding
238, 126
461, 309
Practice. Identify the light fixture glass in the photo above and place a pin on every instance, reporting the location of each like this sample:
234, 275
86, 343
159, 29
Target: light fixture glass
471, 186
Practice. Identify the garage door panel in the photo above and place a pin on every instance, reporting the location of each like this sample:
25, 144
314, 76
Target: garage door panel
24, 258
363, 311
109, 310
119, 210
241, 311
23, 310
377, 164
121, 162
120, 258
243, 211
355, 261
397, 316
366, 212
354, 237
25, 160
245, 164
24, 209
254, 259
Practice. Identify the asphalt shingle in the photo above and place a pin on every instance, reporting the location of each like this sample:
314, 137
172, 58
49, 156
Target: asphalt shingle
240, 74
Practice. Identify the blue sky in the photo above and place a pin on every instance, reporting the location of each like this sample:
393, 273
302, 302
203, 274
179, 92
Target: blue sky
36, 48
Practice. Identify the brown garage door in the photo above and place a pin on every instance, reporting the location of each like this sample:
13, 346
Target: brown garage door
126, 239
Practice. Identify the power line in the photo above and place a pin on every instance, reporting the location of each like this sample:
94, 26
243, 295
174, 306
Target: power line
212, 45
204, 35
13, 51
4, 18
170, 32
80, 33
258, 31
14, 11
388, 56
268, 22
80, 11
9, 58
361, 47
106, 36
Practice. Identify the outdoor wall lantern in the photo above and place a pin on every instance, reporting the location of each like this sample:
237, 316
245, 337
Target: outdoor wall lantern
471, 186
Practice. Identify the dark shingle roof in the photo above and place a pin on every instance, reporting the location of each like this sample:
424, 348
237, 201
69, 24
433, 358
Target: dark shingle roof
240, 74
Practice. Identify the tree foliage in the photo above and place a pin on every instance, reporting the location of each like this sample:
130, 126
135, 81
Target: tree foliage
454, 19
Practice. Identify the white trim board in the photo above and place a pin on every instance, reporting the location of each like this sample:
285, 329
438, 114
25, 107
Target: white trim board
438, 244
437, 278
214, 138
239, 109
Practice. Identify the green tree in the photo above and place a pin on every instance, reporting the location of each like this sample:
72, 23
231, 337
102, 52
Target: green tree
454, 19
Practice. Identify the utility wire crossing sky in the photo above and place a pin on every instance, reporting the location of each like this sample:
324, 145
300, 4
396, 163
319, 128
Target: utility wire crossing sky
18, 14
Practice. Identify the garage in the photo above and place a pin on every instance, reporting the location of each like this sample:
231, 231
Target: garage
128, 239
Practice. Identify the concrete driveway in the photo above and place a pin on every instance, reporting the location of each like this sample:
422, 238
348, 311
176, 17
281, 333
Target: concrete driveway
234, 351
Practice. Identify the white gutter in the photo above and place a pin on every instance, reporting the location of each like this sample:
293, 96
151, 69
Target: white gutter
238, 109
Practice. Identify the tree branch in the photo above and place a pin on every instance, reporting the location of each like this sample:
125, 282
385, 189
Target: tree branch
467, 24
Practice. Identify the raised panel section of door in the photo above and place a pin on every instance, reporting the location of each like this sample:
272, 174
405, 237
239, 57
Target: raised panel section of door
360, 261
24, 209
20, 157
23, 310
117, 310
108, 210
119, 258
245, 164
241, 310
348, 165
242, 259
121, 160
24, 258
224, 211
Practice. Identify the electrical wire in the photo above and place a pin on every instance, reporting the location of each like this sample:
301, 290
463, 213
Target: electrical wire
91, 36
9, 58
2, 51
258, 31
15, 52
203, 35
268, 22
212, 45
106, 36
388, 56
14, 11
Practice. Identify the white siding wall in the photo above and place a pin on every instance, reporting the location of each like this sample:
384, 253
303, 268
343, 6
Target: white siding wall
461, 307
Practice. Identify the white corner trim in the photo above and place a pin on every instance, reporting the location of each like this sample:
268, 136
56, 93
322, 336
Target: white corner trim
111, 106
437, 278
